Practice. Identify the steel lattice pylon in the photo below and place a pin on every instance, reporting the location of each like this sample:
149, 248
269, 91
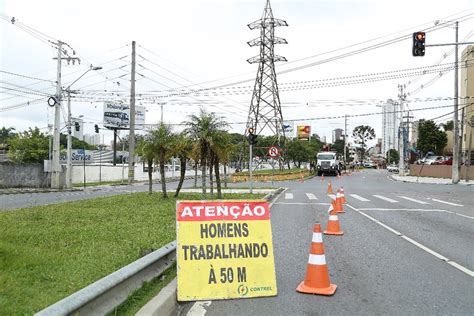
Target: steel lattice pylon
265, 109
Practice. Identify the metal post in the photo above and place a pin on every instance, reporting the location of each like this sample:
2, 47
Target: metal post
123, 165
115, 147
401, 164
55, 166
131, 148
84, 157
69, 142
456, 156
100, 162
250, 170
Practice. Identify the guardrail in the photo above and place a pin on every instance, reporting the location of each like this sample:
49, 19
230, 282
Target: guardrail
105, 294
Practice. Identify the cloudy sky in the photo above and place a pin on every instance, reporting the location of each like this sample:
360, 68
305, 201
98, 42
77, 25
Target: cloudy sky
202, 44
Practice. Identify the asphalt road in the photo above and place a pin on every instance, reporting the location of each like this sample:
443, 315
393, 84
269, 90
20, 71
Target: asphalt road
407, 249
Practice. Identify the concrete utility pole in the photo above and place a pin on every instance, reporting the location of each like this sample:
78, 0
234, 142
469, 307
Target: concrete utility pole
401, 164
131, 135
55, 166
456, 156
345, 136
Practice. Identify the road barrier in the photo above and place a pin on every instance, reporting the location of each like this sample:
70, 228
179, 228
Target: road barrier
105, 294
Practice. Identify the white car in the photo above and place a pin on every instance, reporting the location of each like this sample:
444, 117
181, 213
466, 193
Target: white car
392, 168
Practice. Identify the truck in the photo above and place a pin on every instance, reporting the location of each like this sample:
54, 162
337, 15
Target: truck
328, 163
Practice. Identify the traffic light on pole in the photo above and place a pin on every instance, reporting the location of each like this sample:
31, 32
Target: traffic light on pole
77, 126
96, 128
251, 137
418, 44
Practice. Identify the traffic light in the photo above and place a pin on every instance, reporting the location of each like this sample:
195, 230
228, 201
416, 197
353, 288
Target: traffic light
251, 137
77, 126
418, 44
96, 128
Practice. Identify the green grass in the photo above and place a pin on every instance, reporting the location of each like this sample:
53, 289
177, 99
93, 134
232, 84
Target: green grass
49, 252
94, 184
269, 172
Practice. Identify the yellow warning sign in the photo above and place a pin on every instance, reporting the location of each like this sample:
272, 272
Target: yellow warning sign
224, 250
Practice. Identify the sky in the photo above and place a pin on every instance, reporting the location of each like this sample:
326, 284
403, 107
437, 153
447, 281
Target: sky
197, 44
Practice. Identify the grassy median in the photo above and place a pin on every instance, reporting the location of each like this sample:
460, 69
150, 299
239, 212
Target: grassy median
49, 252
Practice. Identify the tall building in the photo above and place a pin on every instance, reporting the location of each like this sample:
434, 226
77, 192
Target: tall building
390, 126
337, 134
467, 95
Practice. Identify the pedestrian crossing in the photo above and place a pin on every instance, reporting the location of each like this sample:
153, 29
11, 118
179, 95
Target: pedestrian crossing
366, 198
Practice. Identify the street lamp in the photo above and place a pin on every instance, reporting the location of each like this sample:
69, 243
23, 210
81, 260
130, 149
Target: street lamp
69, 138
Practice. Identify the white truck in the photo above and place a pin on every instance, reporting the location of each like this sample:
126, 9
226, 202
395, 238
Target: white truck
327, 163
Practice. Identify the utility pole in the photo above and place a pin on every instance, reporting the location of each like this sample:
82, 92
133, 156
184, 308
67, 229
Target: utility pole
401, 164
131, 149
469, 153
345, 136
55, 166
456, 156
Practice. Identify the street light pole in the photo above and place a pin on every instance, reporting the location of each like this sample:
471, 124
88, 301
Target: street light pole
456, 156
55, 166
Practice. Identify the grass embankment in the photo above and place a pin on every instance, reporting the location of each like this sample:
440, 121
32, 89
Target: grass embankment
49, 252
266, 175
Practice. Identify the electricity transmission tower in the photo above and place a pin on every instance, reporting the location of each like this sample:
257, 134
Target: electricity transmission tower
265, 109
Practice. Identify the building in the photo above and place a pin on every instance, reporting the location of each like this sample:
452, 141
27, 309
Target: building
337, 134
93, 139
467, 99
390, 125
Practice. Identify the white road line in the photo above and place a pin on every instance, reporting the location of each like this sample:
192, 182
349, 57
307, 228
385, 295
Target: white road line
288, 196
413, 200
277, 197
415, 243
332, 196
385, 198
360, 198
301, 203
311, 196
464, 215
404, 209
446, 202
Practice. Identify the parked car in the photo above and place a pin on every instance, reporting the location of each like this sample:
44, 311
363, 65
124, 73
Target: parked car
446, 161
392, 168
433, 160
369, 164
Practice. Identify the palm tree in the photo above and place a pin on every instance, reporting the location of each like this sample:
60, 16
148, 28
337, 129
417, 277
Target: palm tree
219, 151
147, 152
162, 145
201, 129
182, 147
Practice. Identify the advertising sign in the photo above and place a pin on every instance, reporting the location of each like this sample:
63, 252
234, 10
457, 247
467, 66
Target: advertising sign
288, 128
304, 132
224, 250
117, 115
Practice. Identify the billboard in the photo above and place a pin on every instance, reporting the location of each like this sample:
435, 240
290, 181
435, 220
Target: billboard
117, 115
288, 128
304, 132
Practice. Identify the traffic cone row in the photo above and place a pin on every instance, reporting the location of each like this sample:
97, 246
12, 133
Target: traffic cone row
317, 280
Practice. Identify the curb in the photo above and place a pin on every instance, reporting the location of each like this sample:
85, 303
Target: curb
165, 302
408, 180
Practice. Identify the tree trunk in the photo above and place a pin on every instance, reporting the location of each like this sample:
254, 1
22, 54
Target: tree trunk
182, 174
211, 180
225, 175
162, 173
195, 174
218, 178
288, 164
203, 171
150, 176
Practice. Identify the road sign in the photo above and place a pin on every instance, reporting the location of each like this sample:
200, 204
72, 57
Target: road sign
274, 151
224, 250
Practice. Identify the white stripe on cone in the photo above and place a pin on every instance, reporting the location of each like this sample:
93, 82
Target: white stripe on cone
319, 260
317, 237
333, 218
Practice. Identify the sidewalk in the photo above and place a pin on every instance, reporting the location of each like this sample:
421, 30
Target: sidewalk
428, 180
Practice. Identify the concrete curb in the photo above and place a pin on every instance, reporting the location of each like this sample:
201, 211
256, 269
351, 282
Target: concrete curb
165, 302
426, 180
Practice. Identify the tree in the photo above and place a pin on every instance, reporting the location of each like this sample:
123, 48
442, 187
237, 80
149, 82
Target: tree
6, 134
448, 126
182, 148
146, 150
201, 129
297, 151
361, 135
31, 146
430, 137
163, 144
393, 156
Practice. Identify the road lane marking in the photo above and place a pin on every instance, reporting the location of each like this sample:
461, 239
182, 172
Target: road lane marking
413, 200
385, 198
277, 197
405, 209
301, 203
415, 243
311, 196
360, 198
288, 196
199, 308
446, 202
464, 215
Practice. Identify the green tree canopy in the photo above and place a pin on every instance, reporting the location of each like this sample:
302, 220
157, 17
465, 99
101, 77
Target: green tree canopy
361, 135
430, 137
393, 156
31, 146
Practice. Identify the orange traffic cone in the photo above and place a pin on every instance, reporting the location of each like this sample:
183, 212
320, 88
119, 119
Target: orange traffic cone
338, 203
316, 280
329, 188
302, 179
333, 227
322, 177
343, 198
